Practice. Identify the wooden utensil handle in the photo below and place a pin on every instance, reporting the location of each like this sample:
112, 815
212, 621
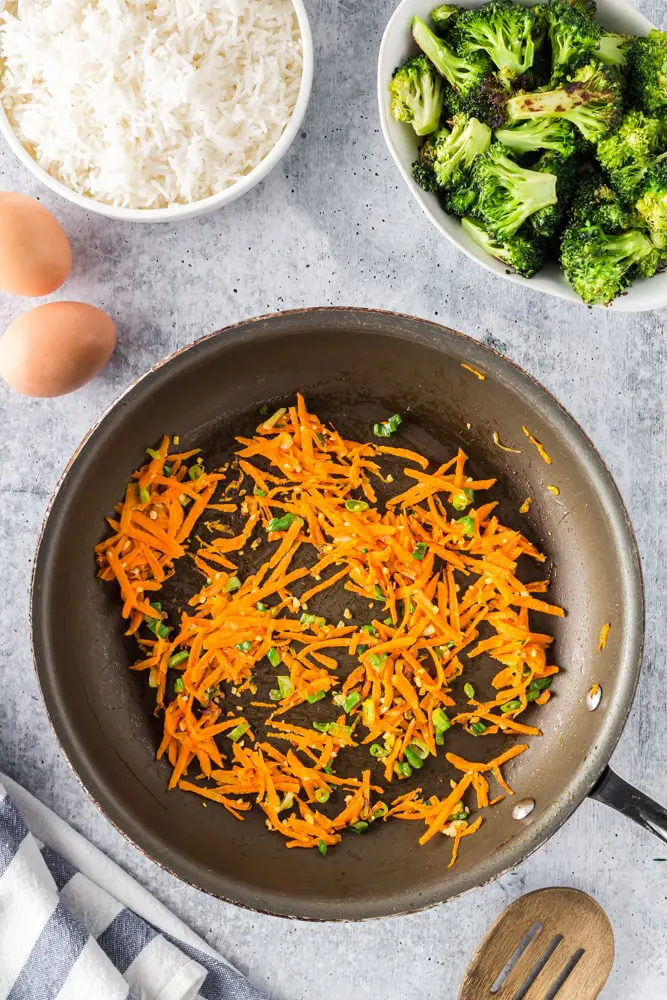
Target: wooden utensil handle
626, 799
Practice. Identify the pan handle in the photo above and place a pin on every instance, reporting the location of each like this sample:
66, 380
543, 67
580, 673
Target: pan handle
629, 801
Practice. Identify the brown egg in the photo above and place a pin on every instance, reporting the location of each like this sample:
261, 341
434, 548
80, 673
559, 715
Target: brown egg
35, 255
56, 348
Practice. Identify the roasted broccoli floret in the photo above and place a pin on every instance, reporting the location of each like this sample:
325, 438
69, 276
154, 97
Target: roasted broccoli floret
599, 266
631, 151
488, 102
416, 91
522, 253
548, 221
510, 194
460, 201
587, 7
444, 18
464, 74
505, 31
614, 50
595, 203
590, 97
456, 152
647, 64
573, 35
542, 133
652, 203
422, 168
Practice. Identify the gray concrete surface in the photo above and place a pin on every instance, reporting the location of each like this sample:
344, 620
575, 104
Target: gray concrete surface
334, 225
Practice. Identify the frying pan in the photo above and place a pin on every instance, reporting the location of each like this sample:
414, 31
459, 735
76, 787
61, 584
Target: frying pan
354, 367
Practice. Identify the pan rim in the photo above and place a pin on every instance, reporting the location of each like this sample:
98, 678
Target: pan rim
586, 773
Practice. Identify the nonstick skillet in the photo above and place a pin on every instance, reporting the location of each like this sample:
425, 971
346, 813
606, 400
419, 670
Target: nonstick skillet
354, 367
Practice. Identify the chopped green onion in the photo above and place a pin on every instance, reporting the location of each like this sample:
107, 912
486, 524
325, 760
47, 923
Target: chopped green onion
511, 706
323, 727
152, 678
459, 501
477, 728
468, 526
264, 409
420, 748
280, 523
356, 505
166, 468
162, 631
441, 720
144, 495
285, 686
238, 731
312, 620
232, 584
368, 709
274, 657
245, 646
469, 690
320, 438
370, 629
195, 471
362, 649
258, 492
388, 427
359, 827
378, 660
420, 550
403, 768
352, 699
157, 605
322, 795
364, 551
275, 417
179, 685
379, 596
261, 606
380, 810
413, 759
316, 696
328, 769
177, 658
377, 750
274, 694
540, 684
153, 453
389, 622
322, 847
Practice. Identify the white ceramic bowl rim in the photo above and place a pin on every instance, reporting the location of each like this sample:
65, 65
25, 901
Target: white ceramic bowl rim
214, 201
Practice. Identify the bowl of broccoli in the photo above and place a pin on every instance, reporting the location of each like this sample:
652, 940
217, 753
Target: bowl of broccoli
534, 137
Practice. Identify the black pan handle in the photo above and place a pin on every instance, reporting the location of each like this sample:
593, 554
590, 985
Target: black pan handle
629, 801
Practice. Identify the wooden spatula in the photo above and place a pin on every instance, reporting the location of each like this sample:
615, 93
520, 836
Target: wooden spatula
555, 944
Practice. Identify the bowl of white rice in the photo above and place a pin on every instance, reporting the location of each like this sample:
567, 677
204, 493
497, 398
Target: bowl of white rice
153, 110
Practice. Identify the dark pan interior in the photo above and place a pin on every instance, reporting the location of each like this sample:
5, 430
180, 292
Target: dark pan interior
354, 367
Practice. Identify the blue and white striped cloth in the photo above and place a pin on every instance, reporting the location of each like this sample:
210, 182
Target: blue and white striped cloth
75, 926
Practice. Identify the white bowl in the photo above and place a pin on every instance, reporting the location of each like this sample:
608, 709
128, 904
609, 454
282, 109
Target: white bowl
397, 45
204, 205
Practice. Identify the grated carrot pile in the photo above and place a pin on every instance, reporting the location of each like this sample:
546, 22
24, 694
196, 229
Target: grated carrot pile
436, 570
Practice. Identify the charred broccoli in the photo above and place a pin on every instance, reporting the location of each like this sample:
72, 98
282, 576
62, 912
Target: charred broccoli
422, 168
505, 31
510, 194
522, 253
590, 97
548, 221
652, 203
543, 133
595, 203
444, 18
573, 35
647, 64
456, 152
599, 266
614, 50
631, 151
463, 74
416, 93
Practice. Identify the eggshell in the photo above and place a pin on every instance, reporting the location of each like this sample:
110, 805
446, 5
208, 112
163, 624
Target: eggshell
35, 255
56, 348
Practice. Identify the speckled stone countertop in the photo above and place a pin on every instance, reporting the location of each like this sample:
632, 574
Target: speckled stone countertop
334, 225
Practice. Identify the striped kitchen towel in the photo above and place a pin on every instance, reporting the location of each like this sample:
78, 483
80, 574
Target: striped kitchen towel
75, 926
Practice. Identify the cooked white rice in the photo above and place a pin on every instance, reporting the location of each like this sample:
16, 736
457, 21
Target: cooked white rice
149, 103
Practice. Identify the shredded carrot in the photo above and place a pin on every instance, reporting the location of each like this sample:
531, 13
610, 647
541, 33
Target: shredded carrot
480, 375
537, 444
604, 635
434, 566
